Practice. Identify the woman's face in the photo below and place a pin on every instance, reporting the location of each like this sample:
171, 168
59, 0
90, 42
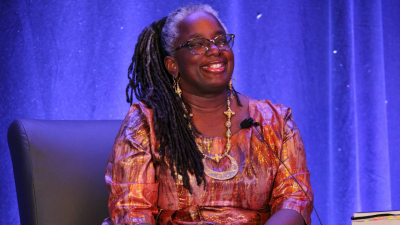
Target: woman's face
207, 73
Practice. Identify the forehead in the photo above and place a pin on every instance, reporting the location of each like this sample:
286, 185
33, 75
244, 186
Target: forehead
199, 24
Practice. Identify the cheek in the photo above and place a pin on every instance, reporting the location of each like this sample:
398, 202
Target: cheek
189, 64
231, 60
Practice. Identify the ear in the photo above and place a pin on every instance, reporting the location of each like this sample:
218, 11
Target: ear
171, 65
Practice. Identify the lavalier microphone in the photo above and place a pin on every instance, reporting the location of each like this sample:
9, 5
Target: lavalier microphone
249, 122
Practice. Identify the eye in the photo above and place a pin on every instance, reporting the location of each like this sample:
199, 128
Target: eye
197, 43
222, 41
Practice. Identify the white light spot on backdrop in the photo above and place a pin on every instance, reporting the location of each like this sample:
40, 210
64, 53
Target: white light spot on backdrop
259, 16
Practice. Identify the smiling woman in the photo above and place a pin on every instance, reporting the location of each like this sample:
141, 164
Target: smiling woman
180, 156
204, 70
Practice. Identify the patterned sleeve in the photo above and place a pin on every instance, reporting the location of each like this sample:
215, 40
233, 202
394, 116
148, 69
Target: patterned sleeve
130, 173
286, 193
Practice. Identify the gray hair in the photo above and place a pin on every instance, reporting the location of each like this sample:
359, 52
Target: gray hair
170, 31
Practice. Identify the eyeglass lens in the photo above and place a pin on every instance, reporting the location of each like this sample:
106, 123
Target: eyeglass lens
200, 45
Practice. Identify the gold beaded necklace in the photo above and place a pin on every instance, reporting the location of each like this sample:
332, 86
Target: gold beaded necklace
234, 168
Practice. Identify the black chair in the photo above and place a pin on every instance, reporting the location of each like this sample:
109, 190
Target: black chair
59, 170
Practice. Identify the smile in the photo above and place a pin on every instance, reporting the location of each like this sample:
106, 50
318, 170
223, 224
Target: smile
214, 67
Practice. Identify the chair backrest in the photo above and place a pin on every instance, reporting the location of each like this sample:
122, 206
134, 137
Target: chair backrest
59, 170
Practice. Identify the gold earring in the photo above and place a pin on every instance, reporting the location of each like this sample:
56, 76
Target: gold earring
177, 88
230, 87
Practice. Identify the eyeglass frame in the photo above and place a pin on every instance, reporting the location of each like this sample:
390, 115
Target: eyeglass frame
209, 42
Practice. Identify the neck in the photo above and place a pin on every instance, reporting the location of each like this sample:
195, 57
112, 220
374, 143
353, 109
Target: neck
206, 103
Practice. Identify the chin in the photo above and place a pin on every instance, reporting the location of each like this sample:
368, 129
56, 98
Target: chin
218, 86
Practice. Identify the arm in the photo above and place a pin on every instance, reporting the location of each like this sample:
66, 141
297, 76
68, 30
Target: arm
288, 201
130, 173
286, 217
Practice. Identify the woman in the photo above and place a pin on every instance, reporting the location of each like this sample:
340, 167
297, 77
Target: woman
180, 156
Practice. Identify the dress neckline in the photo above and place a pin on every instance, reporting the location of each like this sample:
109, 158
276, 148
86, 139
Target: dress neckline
251, 112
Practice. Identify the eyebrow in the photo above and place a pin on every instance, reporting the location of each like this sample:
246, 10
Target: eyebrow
199, 35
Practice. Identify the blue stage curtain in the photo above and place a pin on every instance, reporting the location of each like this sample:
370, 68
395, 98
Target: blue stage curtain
335, 63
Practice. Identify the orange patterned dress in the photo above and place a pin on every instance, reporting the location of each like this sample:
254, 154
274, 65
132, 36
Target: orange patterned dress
142, 189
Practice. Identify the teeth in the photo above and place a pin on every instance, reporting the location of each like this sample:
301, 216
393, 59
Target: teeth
217, 65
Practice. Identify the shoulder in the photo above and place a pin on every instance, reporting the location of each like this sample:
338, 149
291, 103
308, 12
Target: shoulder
278, 116
138, 112
137, 123
266, 110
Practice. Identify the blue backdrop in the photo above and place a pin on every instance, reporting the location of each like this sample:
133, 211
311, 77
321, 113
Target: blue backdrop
336, 63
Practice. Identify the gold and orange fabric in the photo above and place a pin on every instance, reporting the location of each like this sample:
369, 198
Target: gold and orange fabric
142, 189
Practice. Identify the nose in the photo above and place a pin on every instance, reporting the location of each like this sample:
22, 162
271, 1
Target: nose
213, 49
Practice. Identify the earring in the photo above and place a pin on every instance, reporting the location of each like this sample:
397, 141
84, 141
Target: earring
178, 91
177, 88
230, 87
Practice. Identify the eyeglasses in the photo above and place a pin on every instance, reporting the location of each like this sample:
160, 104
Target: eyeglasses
199, 46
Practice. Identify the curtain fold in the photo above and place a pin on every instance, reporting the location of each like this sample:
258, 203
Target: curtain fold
336, 63
358, 114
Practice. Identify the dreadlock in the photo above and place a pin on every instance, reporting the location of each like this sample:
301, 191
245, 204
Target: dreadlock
153, 85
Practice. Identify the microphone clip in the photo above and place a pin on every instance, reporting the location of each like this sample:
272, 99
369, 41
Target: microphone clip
249, 122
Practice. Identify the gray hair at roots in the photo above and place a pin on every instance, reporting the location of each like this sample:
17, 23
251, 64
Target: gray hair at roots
170, 31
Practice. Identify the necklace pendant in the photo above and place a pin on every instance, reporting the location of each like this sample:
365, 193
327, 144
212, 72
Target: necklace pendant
217, 158
226, 175
229, 113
